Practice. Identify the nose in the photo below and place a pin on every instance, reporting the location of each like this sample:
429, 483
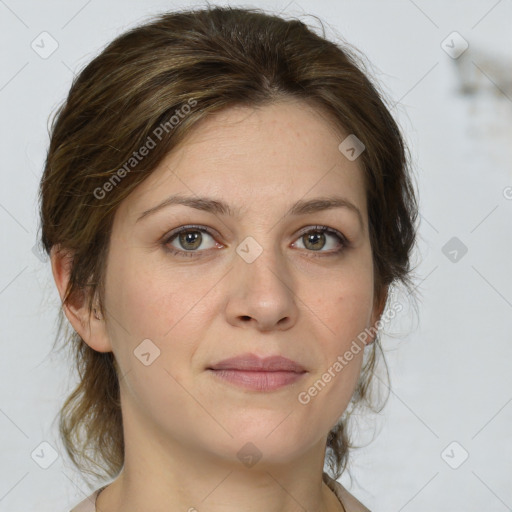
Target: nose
261, 293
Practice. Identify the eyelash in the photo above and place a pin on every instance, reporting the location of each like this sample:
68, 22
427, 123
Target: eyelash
345, 243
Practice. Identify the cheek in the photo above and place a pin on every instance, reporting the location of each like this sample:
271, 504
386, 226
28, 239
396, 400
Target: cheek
153, 302
342, 305
147, 298
339, 313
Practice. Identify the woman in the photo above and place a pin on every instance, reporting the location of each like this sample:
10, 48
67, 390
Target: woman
226, 202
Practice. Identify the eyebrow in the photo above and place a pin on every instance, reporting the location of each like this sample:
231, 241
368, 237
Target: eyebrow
217, 207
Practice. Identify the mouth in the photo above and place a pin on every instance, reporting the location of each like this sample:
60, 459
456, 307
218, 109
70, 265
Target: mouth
252, 362
258, 381
258, 374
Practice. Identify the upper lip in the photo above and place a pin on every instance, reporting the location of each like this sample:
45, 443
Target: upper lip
252, 362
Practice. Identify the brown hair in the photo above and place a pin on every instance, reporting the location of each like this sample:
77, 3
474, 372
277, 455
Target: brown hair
214, 58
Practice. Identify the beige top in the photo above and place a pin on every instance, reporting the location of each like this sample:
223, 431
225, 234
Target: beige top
349, 502
89, 504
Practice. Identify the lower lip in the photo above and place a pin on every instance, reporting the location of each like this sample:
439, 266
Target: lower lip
259, 381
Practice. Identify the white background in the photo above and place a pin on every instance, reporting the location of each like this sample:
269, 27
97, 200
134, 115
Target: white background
450, 365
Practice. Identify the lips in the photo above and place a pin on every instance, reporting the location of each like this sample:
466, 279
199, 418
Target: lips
251, 362
257, 374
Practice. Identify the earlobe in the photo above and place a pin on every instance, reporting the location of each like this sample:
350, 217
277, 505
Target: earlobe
90, 327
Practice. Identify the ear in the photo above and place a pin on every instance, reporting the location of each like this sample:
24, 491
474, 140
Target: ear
90, 326
378, 308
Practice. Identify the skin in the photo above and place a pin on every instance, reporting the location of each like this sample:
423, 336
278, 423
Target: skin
183, 426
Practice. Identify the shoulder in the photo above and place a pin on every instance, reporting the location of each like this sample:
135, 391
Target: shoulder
350, 502
88, 504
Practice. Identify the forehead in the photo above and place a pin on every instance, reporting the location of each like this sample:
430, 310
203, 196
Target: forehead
255, 157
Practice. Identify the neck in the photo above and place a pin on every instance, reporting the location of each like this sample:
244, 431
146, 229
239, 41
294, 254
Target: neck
163, 475
229, 493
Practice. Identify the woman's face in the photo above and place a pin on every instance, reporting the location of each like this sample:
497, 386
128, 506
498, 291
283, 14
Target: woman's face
252, 274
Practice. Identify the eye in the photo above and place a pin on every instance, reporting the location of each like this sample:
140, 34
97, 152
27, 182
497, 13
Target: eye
316, 238
188, 239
